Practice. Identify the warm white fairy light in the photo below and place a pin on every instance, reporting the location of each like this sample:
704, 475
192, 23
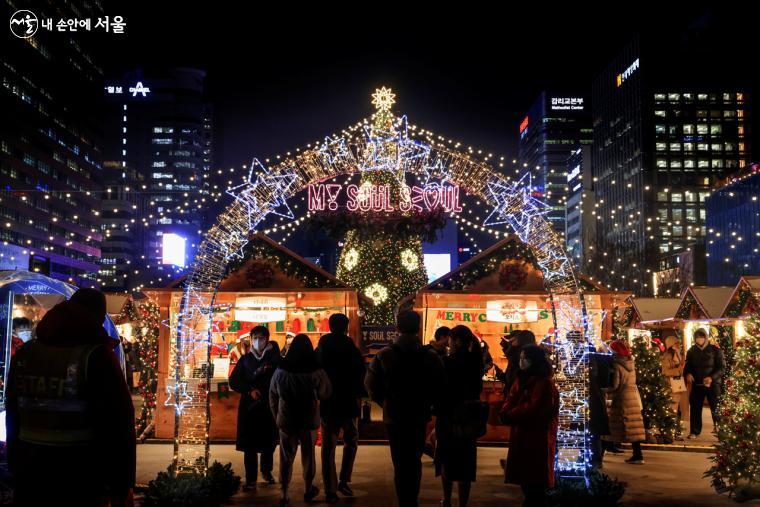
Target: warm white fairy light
267, 190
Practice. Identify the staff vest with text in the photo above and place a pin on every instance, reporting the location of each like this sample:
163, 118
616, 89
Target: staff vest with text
52, 407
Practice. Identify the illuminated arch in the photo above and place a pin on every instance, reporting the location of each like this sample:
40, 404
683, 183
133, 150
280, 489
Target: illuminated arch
267, 191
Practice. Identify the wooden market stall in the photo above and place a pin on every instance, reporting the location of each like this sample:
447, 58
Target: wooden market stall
497, 291
270, 285
652, 317
744, 301
703, 308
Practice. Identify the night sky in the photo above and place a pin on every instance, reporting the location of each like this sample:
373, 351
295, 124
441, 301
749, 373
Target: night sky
280, 80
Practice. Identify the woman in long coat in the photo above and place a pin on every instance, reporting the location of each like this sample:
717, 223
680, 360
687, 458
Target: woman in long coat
456, 456
624, 403
532, 412
256, 429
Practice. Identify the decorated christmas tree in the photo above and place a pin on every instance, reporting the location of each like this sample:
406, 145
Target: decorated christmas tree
737, 455
654, 389
149, 319
382, 265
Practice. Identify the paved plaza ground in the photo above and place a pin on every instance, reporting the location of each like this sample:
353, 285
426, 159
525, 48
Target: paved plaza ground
667, 479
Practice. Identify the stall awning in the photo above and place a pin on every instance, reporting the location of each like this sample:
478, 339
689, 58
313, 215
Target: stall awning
115, 303
710, 302
655, 309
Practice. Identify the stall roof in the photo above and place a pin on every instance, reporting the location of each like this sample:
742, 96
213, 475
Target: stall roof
753, 282
261, 239
655, 309
501, 248
711, 300
749, 281
115, 303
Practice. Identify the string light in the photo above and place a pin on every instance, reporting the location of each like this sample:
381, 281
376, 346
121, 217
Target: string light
413, 153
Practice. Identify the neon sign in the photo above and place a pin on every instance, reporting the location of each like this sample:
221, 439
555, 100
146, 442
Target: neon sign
134, 90
622, 77
379, 198
139, 88
567, 104
524, 127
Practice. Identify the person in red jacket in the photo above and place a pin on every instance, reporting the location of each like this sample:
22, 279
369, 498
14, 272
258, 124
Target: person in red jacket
70, 418
532, 412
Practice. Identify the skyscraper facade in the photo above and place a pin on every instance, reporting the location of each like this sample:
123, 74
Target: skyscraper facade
159, 145
50, 149
662, 137
555, 124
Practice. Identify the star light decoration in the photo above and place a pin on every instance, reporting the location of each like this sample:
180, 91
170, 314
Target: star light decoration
383, 99
178, 397
392, 149
515, 204
264, 192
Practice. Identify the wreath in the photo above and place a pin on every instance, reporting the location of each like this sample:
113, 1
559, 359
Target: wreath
259, 274
512, 275
409, 260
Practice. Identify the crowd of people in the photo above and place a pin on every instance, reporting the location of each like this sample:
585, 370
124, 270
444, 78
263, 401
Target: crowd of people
69, 409
286, 398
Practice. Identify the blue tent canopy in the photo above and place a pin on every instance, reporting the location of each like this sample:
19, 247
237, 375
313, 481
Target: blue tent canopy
28, 283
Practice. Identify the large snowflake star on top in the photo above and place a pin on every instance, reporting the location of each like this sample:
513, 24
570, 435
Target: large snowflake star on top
383, 99
265, 192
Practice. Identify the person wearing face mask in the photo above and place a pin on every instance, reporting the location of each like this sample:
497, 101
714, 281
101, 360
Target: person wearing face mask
256, 429
532, 412
22, 333
703, 370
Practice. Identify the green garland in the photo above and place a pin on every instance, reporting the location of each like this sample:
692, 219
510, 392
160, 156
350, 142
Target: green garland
308, 276
736, 308
365, 226
684, 311
465, 278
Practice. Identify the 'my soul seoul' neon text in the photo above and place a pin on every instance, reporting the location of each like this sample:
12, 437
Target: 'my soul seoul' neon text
367, 197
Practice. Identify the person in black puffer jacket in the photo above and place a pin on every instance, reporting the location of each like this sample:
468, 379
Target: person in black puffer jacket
704, 369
